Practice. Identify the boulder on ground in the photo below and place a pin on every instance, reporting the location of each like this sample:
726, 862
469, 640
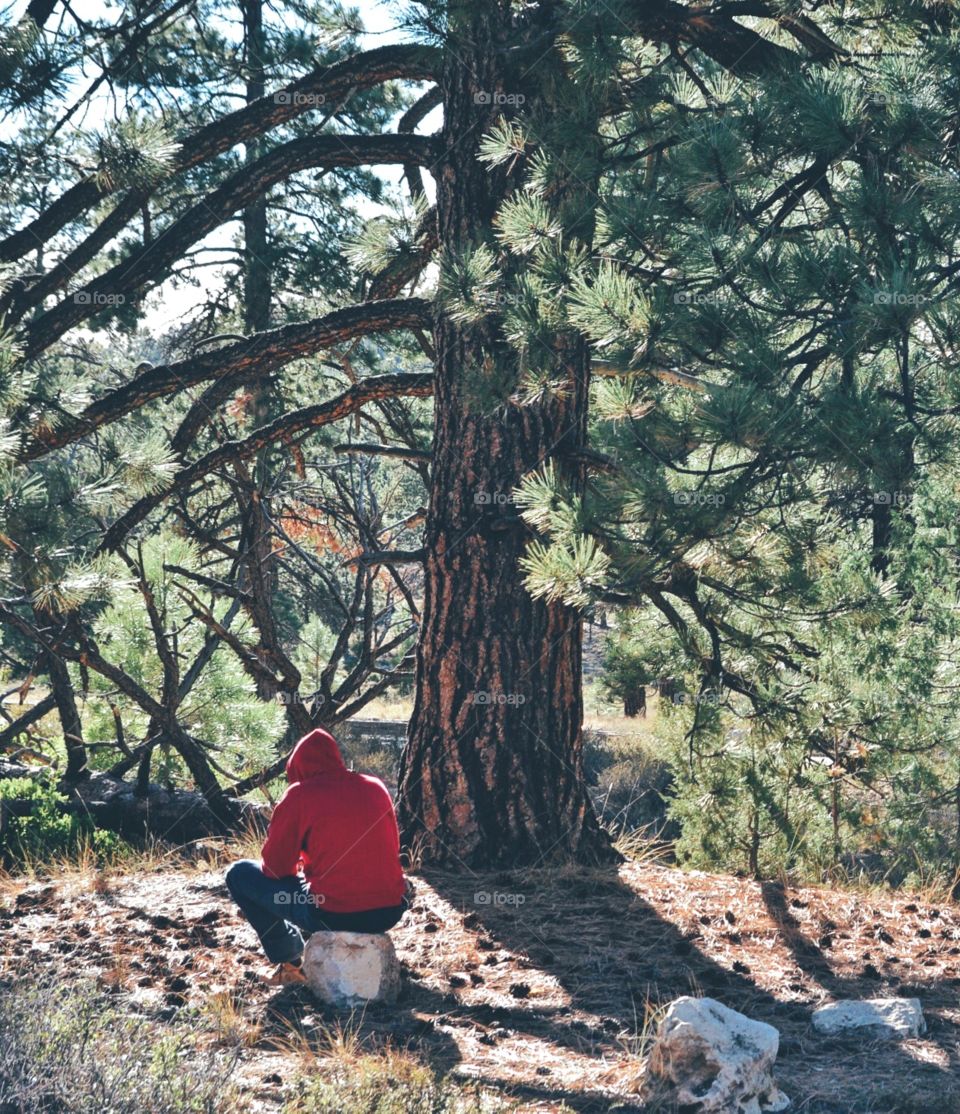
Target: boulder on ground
709, 1059
874, 1018
347, 969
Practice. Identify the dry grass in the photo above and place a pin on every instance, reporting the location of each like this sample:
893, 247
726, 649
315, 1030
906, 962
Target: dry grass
546, 1001
389, 707
223, 1011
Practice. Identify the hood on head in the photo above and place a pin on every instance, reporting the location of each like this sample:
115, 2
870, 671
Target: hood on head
316, 754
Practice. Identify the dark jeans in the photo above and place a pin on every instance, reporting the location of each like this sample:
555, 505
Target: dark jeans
283, 911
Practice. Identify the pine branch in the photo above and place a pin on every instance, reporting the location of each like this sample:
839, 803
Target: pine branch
388, 557
716, 33
247, 185
25, 721
262, 354
389, 282
399, 451
676, 378
407, 124
411, 62
88, 656
373, 388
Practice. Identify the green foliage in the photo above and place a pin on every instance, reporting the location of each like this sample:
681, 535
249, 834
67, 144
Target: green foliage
134, 152
387, 239
40, 831
222, 709
771, 287
468, 283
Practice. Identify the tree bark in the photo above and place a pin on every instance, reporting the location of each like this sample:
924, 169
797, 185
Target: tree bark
25, 721
492, 771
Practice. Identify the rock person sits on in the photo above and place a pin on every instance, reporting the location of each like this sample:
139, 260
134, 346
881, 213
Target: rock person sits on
330, 862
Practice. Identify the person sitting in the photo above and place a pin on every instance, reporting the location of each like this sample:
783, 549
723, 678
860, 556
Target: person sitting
330, 862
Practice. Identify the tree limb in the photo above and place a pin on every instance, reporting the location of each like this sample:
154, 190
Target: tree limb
410, 384
386, 450
261, 354
406, 61
251, 182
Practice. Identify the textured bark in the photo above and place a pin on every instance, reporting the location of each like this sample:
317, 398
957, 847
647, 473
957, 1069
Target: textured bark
257, 559
715, 30
26, 720
71, 725
256, 271
635, 702
492, 771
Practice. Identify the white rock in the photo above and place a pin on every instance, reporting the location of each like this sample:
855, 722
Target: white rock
876, 1018
710, 1059
349, 968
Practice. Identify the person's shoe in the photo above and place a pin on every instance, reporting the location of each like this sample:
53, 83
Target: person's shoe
288, 974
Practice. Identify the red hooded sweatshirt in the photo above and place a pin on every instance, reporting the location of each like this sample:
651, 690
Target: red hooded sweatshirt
339, 827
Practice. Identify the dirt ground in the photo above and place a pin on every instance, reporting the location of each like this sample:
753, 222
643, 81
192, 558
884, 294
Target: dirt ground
540, 984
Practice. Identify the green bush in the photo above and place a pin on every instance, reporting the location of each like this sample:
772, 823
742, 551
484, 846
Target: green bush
45, 831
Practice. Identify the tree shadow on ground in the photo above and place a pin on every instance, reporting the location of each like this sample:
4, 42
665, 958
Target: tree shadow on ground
616, 955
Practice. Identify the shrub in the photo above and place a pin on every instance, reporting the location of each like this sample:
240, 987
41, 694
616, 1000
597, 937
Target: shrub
389, 1085
628, 783
70, 1050
38, 829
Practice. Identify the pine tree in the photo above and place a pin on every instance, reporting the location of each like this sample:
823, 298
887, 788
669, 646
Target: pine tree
744, 223
773, 297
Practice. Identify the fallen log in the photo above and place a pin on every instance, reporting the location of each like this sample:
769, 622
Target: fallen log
170, 815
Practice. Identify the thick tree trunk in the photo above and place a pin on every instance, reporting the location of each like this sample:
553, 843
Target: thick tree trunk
492, 771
